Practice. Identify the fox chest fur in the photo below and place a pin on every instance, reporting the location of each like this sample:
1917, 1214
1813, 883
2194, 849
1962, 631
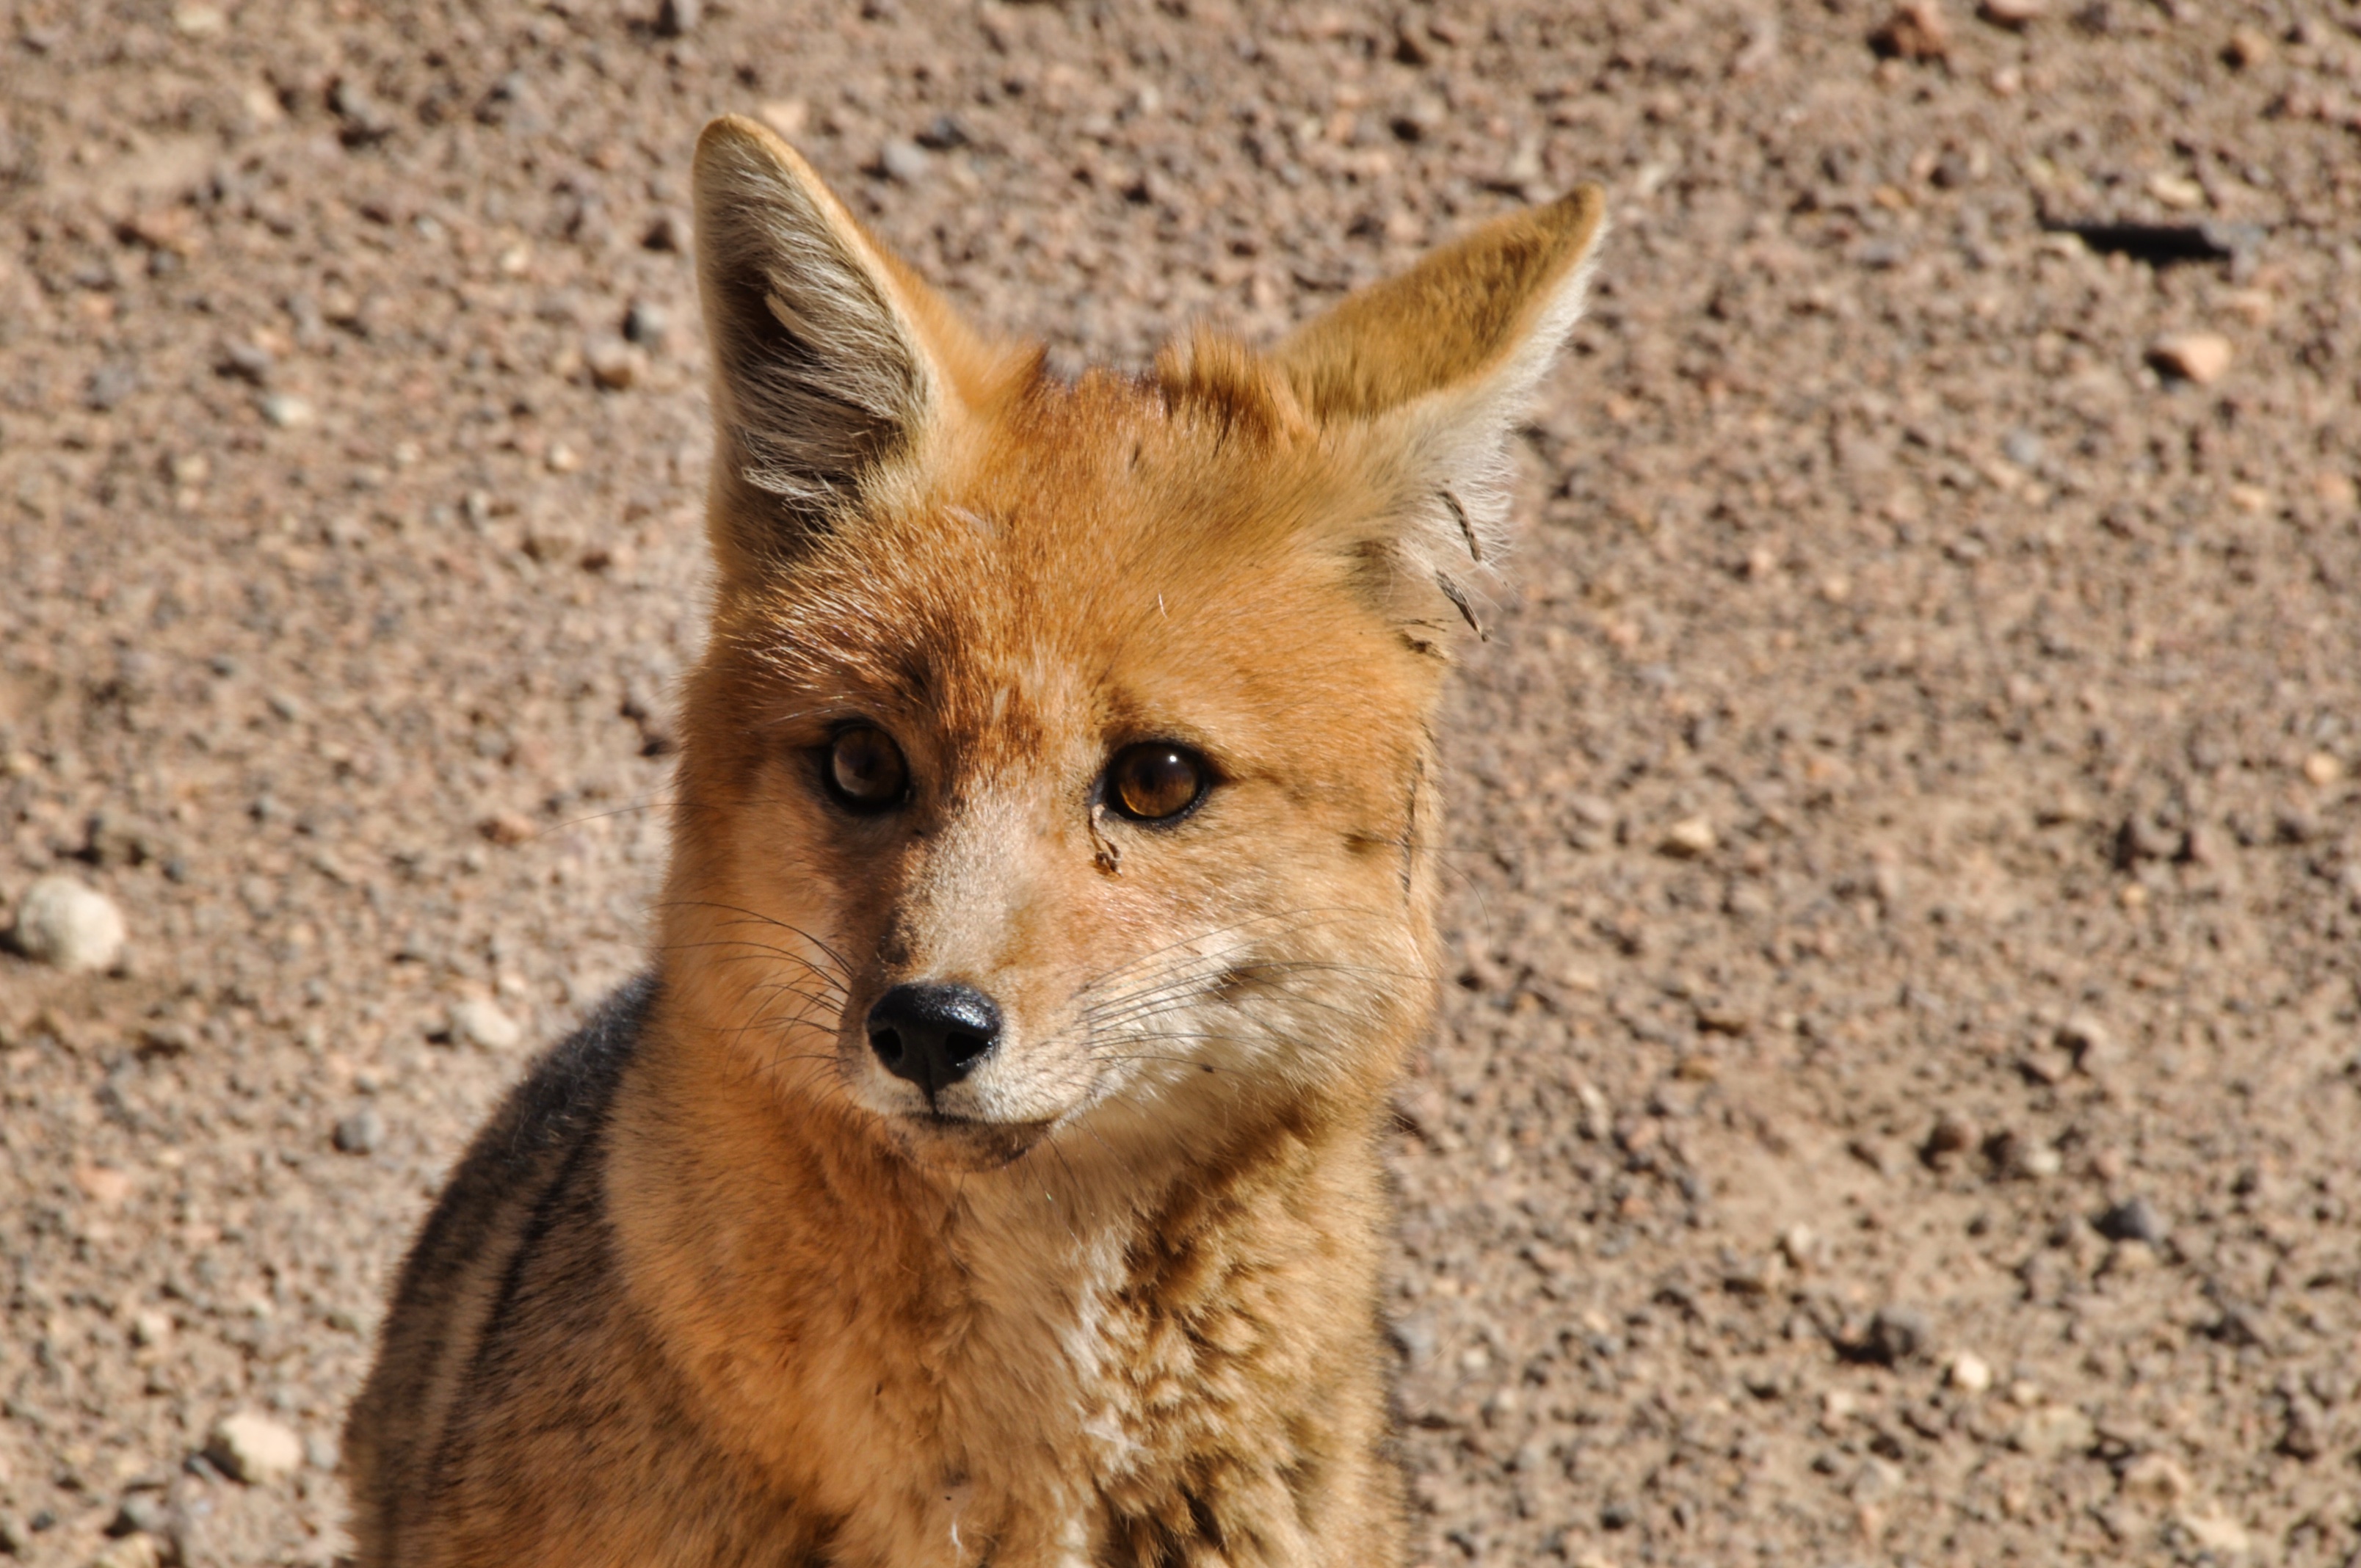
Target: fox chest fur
986, 1171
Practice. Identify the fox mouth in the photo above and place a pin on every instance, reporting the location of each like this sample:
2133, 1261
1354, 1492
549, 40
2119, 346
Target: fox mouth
946, 1140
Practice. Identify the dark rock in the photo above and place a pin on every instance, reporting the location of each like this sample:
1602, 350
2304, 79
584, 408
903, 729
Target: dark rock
2134, 1220
1897, 1335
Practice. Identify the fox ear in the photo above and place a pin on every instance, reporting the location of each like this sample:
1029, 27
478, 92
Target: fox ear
831, 359
1435, 367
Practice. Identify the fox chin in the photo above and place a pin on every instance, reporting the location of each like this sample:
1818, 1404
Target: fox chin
987, 1168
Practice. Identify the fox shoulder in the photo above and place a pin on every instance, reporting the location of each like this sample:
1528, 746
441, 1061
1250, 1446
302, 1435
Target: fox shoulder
529, 1154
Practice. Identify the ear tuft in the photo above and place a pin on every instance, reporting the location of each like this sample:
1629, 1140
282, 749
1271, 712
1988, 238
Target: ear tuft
1240, 391
823, 370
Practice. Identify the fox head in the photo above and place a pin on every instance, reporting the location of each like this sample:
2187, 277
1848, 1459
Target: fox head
1059, 766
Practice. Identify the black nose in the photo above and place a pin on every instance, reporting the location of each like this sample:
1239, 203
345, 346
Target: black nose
933, 1034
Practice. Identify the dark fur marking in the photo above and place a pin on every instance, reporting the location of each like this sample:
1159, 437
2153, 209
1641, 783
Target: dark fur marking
1409, 827
1466, 526
1452, 592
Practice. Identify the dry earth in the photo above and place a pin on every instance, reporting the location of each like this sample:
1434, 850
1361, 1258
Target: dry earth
1899, 1097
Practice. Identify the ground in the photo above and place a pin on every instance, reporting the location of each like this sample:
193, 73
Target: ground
1896, 1096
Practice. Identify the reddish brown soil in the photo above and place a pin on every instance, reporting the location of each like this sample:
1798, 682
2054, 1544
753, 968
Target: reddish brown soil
1904, 808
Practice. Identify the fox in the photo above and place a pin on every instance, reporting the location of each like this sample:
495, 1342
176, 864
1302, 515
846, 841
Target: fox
988, 1167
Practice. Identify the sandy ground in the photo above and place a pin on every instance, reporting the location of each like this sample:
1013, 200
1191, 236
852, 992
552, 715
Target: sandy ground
1899, 1094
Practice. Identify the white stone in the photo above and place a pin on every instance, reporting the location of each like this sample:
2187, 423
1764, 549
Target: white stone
288, 410
1690, 838
1969, 1372
255, 1448
479, 1022
65, 922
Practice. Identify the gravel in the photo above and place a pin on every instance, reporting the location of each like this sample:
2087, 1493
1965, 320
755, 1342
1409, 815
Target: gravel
1857, 523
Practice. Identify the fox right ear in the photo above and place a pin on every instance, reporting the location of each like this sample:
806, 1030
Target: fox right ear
832, 360
1430, 371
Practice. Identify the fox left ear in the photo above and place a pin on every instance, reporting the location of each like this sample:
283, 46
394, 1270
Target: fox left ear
832, 360
1434, 367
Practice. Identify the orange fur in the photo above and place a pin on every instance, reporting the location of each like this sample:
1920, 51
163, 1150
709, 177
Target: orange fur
717, 1286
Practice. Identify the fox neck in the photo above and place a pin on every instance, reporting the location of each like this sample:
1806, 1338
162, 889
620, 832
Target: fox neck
1002, 1336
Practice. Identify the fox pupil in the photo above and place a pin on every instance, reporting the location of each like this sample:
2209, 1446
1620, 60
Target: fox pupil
866, 771
1154, 780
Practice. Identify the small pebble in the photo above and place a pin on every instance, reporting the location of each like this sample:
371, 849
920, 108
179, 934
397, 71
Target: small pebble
2196, 356
2249, 47
64, 922
254, 1449
678, 19
1917, 30
361, 1132
2011, 14
2218, 1535
508, 827
2127, 1259
1689, 838
199, 21
1951, 1134
287, 411
667, 231
2088, 1040
150, 1328
647, 325
904, 161
137, 1549
2052, 1432
141, 1511
614, 365
1897, 1335
2153, 1480
785, 115
1968, 1373
479, 1022
2322, 768
2134, 1220
2303, 1437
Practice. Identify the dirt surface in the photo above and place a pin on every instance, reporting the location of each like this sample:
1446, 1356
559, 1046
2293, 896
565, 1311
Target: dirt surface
1899, 1093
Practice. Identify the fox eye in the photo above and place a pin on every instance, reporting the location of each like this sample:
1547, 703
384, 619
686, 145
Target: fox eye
865, 769
1156, 780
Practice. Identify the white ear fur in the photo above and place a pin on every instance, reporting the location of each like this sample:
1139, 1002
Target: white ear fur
820, 372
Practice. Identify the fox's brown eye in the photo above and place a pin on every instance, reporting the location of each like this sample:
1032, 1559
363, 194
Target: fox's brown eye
865, 769
1155, 781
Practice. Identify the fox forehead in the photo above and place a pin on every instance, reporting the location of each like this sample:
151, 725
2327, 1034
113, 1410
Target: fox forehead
1097, 564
